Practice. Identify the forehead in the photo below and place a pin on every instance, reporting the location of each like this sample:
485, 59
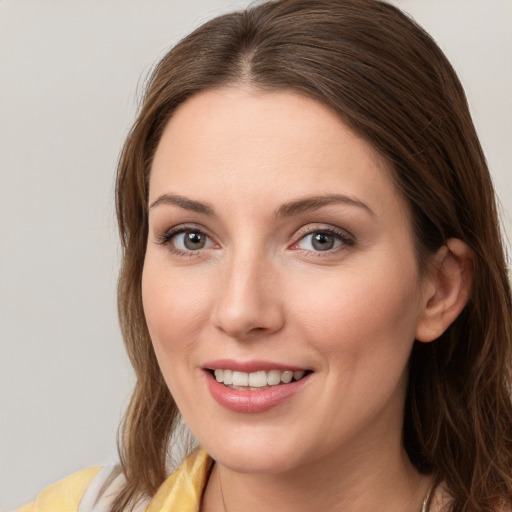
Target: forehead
238, 142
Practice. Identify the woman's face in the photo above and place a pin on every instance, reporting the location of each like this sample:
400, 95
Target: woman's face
278, 245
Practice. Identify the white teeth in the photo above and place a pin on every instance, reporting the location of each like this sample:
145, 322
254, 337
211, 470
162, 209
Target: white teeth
228, 377
273, 377
240, 379
287, 376
296, 375
259, 379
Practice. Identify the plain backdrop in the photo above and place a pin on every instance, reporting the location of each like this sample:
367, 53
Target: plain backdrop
70, 72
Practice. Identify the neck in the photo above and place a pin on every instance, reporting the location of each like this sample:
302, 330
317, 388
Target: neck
344, 483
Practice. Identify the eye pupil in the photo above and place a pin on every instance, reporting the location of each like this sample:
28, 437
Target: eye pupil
193, 240
322, 241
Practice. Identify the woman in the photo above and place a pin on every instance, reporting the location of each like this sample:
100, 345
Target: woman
313, 275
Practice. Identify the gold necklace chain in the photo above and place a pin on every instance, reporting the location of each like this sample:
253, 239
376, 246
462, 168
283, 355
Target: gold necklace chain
426, 501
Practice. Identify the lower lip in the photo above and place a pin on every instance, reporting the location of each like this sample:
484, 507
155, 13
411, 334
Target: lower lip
241, 400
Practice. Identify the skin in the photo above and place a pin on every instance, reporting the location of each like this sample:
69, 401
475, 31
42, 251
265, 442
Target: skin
259, 290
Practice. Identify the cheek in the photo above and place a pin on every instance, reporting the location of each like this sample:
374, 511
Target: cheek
362, 312
174, 309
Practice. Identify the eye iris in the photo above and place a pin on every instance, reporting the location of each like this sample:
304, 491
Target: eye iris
193, 240
322, 241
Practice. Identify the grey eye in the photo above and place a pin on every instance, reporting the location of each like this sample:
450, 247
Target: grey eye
320, 241
191, 241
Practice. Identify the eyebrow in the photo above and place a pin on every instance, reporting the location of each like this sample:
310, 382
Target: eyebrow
285, 210
316, 202
185, 203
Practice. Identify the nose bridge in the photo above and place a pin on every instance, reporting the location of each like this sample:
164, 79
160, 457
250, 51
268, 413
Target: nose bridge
248, 301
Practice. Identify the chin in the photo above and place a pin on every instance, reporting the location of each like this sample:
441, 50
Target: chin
263, 462
256, 454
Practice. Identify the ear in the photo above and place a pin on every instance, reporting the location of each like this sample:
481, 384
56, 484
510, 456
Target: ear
447, 289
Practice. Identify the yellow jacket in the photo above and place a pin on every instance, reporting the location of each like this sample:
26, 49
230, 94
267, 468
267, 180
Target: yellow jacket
180, 492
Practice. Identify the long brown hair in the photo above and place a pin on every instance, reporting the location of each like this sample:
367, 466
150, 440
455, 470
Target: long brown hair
391, 83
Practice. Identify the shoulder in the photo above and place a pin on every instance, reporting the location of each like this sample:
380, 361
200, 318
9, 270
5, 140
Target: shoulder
93, 489
78, 492
183, 489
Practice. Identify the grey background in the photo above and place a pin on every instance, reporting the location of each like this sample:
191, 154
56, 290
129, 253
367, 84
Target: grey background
69, 75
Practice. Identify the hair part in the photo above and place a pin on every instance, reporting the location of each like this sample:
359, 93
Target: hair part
389, 81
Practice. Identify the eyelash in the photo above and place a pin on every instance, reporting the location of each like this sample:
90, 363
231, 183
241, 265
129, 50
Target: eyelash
345, 238
166, 238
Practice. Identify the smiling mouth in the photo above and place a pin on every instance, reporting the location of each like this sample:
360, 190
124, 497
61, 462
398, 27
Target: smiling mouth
256, 381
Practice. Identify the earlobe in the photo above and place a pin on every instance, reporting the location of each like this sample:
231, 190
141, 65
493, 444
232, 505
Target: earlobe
448, 289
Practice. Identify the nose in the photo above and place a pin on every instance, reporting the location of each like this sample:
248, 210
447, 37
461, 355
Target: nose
249, 301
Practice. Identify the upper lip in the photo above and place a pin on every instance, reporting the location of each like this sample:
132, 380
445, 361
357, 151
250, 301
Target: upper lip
250, 366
